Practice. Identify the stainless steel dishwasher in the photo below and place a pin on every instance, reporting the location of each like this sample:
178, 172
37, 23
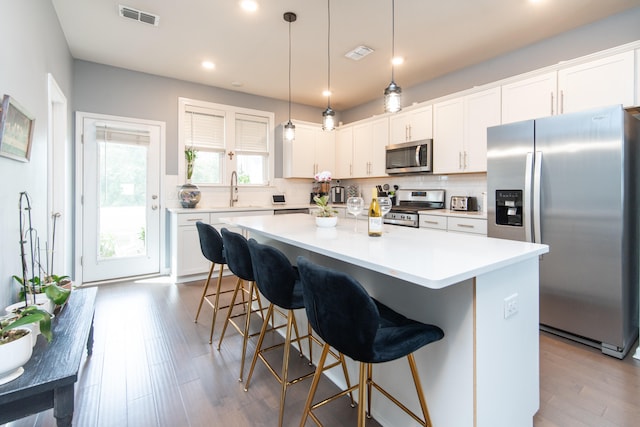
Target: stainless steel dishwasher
285, 211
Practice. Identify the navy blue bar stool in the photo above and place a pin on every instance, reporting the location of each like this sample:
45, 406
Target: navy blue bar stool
211, 246
344, 315
279, 282
236, 253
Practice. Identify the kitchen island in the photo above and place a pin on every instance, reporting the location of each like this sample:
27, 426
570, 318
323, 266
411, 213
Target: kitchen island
482, 292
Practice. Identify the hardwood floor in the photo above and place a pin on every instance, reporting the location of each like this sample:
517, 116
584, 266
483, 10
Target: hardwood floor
152, 366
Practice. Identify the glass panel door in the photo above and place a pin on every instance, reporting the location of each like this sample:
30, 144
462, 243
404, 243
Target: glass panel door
120, 199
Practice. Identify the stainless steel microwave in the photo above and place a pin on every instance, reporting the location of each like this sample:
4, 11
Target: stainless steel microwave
409, 157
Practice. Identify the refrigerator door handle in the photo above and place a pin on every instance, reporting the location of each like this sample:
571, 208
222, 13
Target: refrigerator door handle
537, 173
526, 214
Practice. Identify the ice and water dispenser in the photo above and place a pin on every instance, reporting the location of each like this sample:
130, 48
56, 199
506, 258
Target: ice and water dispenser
509, 207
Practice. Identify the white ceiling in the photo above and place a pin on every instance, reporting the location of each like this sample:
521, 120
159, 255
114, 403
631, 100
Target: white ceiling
435, 37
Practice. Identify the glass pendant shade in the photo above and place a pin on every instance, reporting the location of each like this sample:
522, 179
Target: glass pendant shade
328, 119
289, 131
392, 98
393, 93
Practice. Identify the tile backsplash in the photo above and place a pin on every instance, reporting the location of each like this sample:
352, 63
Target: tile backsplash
297, 190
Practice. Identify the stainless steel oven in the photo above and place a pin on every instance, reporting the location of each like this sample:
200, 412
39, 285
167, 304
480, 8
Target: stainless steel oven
410, 202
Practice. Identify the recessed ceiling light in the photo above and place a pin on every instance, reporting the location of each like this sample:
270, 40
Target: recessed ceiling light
208, 65
398, 60
326, 93
236, 84
249, 5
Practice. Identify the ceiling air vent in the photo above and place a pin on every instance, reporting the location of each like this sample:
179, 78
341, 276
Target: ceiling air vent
358, 53
138, 15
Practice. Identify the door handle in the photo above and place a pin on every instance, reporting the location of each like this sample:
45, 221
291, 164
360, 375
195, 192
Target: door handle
537, 176
527, 210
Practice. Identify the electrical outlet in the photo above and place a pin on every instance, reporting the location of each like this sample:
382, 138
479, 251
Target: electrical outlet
511, 306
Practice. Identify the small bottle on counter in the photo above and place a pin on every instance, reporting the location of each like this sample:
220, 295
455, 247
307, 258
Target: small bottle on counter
375, 215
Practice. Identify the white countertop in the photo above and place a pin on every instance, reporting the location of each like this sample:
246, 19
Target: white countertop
426, 257
199, 209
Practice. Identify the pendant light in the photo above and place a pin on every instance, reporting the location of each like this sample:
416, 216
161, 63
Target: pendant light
393, 92
328, 115
289, 128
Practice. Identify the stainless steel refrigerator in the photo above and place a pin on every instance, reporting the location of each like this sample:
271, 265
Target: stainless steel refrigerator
571, 181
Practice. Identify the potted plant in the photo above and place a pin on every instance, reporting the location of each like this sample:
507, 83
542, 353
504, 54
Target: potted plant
50, 293
189, 194
190, 154
326, 216
17, 338
37, 285
324, 181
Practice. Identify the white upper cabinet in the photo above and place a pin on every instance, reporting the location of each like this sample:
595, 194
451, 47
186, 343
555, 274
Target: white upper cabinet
361, 149
344, 152
369, 142
598, 83
530, 98
460, 131
413, 125
325, 151
311, 152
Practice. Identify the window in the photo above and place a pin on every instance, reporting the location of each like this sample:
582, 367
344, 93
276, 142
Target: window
226, 138
252, 149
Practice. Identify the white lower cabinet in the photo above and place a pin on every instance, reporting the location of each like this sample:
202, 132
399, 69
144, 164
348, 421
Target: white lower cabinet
454, 223
433, 221
187, 261
467, 225
186, 255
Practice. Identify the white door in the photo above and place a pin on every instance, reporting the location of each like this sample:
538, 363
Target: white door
59, 203
120, 197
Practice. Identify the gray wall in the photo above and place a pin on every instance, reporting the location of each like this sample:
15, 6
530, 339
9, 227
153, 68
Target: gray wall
607, 33
108, 90
33, 45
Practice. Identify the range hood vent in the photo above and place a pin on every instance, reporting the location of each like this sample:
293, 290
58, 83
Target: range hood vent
138, 15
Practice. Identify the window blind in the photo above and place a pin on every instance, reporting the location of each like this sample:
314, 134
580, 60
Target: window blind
203, 127
252, 134
124, 136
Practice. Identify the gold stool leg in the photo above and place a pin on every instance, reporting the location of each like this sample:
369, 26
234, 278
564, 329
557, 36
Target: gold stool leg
346, 378
416, 381
362, 414
314, 385
285, 365
216, 304
229, 312
204, 292
245, 338
263, 332
369, 382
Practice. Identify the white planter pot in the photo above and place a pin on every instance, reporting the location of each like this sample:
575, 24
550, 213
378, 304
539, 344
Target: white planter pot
42, 302
13, 356
326, 221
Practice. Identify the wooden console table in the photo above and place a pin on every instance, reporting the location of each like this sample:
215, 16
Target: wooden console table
50, 374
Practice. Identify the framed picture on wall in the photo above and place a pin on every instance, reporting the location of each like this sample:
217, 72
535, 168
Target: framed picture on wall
16, 130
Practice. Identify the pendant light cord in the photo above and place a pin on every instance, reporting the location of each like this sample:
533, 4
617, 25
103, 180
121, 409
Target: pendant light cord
289, 71
328, 53
393, 36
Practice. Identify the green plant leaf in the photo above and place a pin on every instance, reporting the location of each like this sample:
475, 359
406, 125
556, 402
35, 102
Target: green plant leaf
30, 315
57, 294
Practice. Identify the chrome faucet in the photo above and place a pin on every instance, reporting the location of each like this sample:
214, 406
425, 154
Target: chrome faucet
233, 189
